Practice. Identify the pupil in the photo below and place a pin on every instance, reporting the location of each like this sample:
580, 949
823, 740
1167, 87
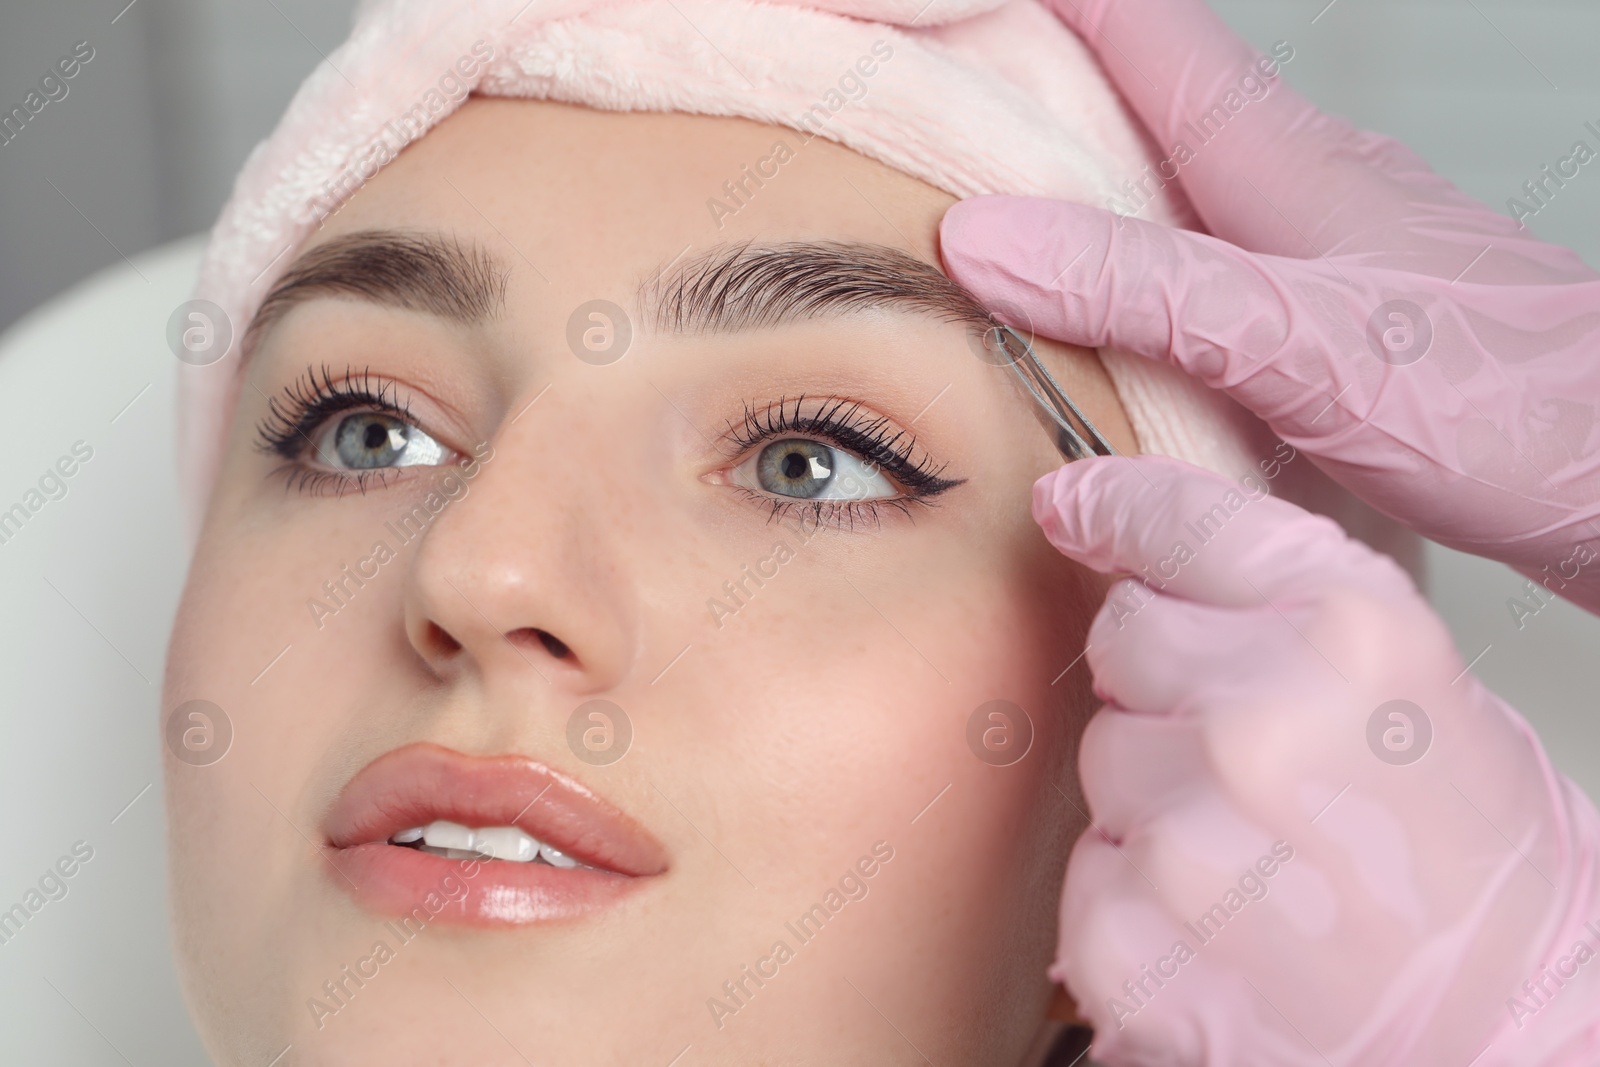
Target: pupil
376, 436
795, 465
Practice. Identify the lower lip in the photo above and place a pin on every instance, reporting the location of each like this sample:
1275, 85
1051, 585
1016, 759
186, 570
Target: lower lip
395, 881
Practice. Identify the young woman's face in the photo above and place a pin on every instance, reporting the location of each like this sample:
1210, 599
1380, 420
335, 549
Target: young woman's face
789, 553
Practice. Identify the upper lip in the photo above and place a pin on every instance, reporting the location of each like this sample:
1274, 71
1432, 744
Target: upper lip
418, 783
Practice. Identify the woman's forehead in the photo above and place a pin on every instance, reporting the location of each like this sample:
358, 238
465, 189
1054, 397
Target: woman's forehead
563, 188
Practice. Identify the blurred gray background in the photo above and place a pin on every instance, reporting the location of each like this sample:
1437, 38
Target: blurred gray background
142, 151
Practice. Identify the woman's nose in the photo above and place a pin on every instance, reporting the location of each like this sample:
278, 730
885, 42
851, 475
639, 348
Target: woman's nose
514, 575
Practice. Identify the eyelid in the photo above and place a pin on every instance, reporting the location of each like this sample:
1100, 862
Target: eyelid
299, 411
847, 424
304, 406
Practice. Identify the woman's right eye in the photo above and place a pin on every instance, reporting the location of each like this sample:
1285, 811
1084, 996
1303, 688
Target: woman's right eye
374, 440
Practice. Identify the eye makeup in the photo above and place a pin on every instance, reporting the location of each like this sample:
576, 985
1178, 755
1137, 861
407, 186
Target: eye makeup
876, 448
822, 459
298, 423
311, 399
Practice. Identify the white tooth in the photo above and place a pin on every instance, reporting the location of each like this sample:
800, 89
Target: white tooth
507, 843
441, 833
461, 854
556, 858
405, 837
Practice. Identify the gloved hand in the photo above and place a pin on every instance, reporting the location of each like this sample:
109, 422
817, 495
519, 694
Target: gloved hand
1317, 840
1427, 352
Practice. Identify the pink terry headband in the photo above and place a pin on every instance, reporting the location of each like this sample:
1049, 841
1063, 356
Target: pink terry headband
972, 96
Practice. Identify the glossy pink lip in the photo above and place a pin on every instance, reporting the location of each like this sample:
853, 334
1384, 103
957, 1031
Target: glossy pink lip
418, 783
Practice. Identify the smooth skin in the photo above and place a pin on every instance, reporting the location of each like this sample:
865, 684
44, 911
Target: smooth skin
771, 751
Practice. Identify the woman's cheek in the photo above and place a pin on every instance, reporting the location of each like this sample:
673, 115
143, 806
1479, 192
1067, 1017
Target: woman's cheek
866, 721
233, 656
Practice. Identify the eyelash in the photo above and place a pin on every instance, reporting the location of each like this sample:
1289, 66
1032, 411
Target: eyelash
847, 424
308, 402
313, 398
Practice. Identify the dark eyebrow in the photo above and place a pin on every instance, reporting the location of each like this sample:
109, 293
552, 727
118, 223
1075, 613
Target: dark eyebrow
415, 271
748, 286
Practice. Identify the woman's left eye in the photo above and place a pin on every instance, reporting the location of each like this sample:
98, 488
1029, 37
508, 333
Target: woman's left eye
371, 440
802, 469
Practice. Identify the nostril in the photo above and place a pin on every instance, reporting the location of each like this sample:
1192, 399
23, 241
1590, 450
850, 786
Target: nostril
440, 642
524, 637
553, 644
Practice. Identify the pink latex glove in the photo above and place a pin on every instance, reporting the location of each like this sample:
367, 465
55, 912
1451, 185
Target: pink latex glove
1424, 350
1382, 885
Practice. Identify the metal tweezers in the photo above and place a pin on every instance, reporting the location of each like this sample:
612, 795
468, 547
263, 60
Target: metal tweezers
1074, 435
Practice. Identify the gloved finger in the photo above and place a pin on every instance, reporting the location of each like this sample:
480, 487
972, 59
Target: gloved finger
1199, 535
1153, 654
1176, 798
1111, 926
1283, 337
1280, 336
1093, 943
1249, 140
1197, 697
1084, 275
1121, 919
1133, 766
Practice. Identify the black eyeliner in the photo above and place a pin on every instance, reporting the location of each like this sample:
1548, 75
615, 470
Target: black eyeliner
314, 397
847, 424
